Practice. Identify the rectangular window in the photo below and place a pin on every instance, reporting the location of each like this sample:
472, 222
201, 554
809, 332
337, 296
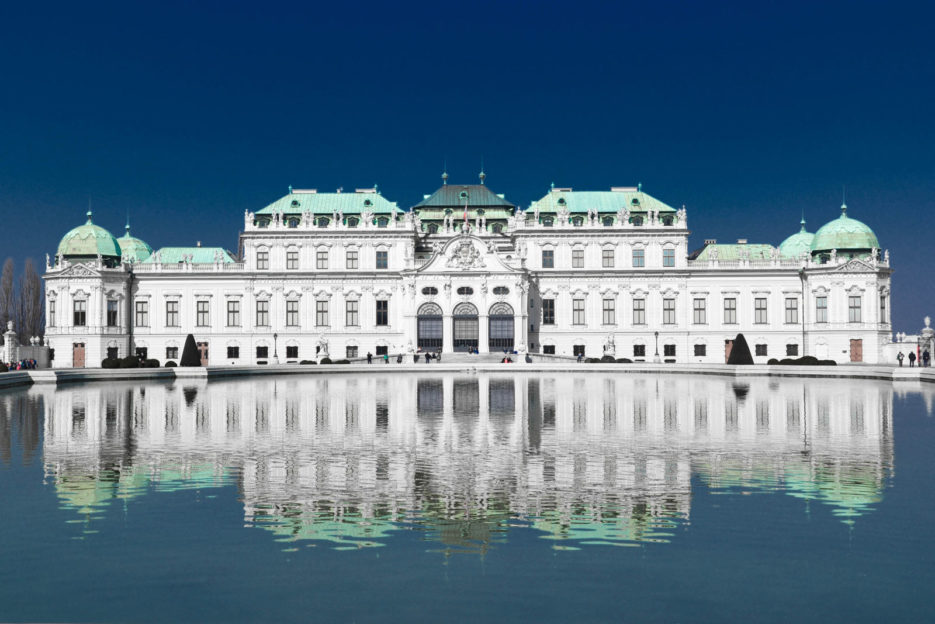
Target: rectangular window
262, 353
79, 319
882, 309
382, 350
111, 312
321, 313
292, 352
701, 350
730, 311
759, 310
233, 353
321, 259
51, 312
548, 349
577, 258
639, 350
233, 313
668, 311
577, 350
853, 309
792, 349
262, 313
548, 311
383, 312
761, 350
142, 314
668, 350
548, 259
172, 353
609, 312
792, 310
639, 311
202, 314
607, 258
577, 312
668, 257
351, 259
821, 309
639, 258
699, 311
351, 313
292, 314
172, 313
262, 260
350, 352
382, 259
292, 260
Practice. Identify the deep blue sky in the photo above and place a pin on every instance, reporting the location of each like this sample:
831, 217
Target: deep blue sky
185, 114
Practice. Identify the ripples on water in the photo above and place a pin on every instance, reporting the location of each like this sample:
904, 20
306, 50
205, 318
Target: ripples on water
347, 462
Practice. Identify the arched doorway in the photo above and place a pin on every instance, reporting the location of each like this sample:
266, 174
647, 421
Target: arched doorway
430, 327
501, 327
465, 329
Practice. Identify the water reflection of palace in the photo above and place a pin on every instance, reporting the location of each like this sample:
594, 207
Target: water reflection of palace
585, 458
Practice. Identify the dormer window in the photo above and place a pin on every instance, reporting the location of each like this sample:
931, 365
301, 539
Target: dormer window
382, 222
561, 201
262, 223
667, 220
293, 222
368, 203
635, 202
497, 228
322, 222
352, 222
547, 221
608, 221
433, 228
295, 203
463, 195
636, 221
577, 221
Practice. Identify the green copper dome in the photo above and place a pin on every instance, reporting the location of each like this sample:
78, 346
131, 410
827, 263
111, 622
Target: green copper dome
797, 244
89, 241
845, 235
133, 249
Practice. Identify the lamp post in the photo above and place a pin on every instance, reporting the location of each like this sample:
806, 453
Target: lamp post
275, 350
656, 357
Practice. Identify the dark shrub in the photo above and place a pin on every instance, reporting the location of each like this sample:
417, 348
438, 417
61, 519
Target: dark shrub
110, 363
807, 360
772, 361
341, 362
740, 352
787, 362
308, 362
326, 360
131, 361
609, 359
150, 363
827, 363
3, 368
624, 361
171, 364
190, 354
592, 360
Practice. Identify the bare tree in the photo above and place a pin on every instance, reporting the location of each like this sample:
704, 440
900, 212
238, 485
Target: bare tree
29, 304
6, 294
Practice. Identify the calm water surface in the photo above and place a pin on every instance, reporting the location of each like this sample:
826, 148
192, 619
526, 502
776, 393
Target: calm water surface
477, 498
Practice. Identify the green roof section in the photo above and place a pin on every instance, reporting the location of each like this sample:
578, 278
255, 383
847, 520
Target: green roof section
844, 234
89, 241
199, 255
631, 198
457, 195
729, 252
133, 249
310, 200
797, 244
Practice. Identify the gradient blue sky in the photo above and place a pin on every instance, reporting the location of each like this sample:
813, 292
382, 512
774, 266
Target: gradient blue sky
184, 114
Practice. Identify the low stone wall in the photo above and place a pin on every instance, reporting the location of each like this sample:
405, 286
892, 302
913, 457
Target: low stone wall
66, 376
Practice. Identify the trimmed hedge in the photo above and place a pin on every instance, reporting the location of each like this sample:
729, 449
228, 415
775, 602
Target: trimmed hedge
608, 359
806, 360
130, 362
190, 355
3, 368
341, 362
740, 352
624, 361
110, 363
592, 360
170, 364
326, 360
150, 363
308, 362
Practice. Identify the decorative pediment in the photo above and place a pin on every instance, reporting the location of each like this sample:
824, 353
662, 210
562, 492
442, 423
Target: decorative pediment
464, 254
79, 270
855, 265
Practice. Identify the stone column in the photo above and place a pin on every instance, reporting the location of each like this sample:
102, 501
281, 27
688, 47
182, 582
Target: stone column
483, 333
447, 334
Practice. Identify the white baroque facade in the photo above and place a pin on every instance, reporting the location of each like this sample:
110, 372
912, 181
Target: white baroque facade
346, 274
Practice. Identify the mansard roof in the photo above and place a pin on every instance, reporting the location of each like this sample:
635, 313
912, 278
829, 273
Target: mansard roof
629, 197
200, 255
455, 196
310, 200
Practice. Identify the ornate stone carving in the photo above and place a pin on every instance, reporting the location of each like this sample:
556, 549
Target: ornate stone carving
465, 256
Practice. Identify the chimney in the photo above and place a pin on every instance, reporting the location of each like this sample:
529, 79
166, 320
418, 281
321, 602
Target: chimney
710, 241
741, 241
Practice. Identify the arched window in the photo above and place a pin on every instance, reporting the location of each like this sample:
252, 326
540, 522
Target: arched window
577, 221
293, 222
382, 222
433, 228
608, 221
430, 309
636, 220
465, 309
465, 290
497, 227
429, 290
667, 220
501, 290
501, 309
322, 222
353, 222
547, 221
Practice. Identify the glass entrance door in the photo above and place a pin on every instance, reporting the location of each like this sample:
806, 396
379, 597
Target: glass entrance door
500, 324
430, 327
465, 327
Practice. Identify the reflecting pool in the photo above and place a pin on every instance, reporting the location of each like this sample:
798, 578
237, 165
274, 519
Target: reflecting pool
539, 497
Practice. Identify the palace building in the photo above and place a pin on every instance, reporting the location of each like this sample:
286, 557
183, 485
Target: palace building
577, 272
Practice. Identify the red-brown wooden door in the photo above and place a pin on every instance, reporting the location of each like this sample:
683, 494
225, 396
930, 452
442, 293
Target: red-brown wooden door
77, 355
728, 345
203, 350
857, 350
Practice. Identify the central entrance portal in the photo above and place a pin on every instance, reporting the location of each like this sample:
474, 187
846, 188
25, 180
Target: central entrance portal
464, 319
501, 327
429, 327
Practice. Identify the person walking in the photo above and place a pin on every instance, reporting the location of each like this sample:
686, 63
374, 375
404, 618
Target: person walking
899, 358
438, 356
926, 358
427, 357
912, 359
386, 358
369, 358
